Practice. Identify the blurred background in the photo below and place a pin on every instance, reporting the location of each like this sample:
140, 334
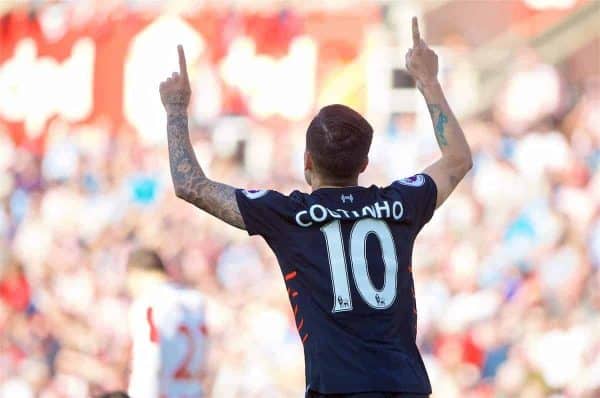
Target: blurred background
507, 280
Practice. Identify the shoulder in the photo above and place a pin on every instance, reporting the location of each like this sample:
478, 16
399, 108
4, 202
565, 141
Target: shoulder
419, 189
416, 180
254, 194
264, 211
260, 195
419, 193
415, 183
271, 196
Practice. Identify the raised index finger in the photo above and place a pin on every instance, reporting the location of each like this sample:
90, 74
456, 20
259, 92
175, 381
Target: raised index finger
182, 63
415, 32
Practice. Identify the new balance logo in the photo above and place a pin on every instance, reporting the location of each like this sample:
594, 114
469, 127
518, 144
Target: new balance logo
348, 198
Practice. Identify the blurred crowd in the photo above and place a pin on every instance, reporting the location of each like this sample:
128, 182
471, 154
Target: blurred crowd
506, 273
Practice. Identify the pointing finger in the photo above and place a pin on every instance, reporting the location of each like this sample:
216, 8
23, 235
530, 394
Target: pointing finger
415, 33
182, 63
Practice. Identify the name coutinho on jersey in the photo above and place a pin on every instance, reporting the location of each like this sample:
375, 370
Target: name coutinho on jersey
318, 213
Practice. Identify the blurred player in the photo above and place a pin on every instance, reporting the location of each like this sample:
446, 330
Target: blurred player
168, 330
344, 250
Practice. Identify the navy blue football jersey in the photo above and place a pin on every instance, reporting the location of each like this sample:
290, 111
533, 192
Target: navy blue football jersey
345, 255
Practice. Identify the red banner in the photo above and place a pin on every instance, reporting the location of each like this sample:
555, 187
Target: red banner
97, 70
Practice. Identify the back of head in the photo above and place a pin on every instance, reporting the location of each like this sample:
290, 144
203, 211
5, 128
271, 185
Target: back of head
338, 140
145, 260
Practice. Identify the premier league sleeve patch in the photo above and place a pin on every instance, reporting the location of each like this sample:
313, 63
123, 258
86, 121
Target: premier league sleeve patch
414, 181
255, 193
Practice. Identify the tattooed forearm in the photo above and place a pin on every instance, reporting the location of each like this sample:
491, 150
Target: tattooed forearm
456, 158
439, 121
190, 182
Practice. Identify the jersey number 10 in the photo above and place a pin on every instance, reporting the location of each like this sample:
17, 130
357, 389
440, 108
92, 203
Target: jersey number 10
378, 299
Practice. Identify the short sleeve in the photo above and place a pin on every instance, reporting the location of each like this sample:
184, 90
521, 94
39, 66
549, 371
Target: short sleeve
263, 211
420, 192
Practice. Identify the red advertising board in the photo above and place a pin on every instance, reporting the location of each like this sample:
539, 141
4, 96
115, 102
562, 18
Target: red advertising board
98, 69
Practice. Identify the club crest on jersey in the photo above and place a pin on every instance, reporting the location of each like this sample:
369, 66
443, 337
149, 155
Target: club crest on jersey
414, 181
348, 198
254, 193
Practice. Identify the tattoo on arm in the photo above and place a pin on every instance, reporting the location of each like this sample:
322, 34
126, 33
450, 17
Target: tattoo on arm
191, 184
439, 121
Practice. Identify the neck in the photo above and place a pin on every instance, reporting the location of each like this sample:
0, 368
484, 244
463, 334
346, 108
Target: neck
318, 183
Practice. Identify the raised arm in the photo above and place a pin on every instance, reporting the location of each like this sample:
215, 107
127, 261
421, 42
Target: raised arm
190, 182
456, 161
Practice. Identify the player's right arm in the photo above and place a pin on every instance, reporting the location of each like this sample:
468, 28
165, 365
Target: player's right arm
189, 180
456, 161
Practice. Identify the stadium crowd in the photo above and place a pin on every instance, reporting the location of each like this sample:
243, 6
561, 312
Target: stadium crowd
506, 273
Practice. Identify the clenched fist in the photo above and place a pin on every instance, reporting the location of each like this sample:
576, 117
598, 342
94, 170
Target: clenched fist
175, 91
421, 61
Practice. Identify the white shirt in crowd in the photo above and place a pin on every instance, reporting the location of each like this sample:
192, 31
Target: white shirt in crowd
169, 343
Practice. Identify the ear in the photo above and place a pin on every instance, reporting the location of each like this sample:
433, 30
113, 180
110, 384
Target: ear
308, 167
308, 162
365, 164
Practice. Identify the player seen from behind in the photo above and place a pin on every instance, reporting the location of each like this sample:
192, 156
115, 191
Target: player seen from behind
168, 331
344, 250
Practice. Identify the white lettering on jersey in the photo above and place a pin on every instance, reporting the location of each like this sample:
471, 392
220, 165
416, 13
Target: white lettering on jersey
346, 214
370, 210
397, 210
318, 213
313, 213
382, 206
299, 220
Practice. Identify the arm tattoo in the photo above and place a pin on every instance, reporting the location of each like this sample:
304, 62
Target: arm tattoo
189, 180
438, 123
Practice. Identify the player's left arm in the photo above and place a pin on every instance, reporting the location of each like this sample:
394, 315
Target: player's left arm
189, 180
456, 160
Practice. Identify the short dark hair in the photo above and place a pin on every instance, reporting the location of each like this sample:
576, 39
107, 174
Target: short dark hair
338, 139
145, 260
